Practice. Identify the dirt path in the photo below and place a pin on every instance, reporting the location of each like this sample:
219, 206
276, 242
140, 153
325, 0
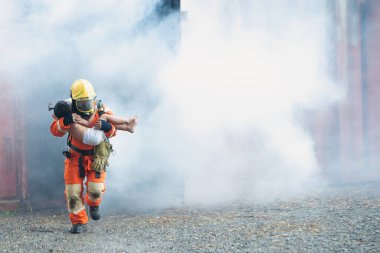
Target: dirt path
339, 220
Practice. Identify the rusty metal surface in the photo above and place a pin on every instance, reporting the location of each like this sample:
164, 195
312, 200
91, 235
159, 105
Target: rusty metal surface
13, 172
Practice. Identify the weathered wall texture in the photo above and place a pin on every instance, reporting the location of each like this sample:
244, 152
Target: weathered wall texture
13, 173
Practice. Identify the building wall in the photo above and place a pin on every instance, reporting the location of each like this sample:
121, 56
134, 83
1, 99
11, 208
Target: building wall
13, 173
348, 135
356, 122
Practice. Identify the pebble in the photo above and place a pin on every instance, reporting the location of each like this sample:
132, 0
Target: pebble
344, 219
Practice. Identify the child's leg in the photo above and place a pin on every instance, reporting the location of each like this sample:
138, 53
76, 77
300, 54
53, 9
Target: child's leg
128, 127
113, 119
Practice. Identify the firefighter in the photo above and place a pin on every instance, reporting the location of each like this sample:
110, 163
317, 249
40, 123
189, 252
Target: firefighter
79, 158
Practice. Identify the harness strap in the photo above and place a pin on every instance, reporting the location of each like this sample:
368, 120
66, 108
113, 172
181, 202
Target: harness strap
82, 173
82, 153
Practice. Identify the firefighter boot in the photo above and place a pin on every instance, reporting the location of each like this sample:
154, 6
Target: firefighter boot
78, 228
94, 212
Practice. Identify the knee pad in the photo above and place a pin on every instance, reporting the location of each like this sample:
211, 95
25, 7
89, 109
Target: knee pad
73, 196
95, 190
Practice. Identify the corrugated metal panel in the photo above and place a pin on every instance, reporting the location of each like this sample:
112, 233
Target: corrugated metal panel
358, 71
351, 117
372, 46
348, 137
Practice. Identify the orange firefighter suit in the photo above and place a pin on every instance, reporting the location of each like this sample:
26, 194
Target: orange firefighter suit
77, 169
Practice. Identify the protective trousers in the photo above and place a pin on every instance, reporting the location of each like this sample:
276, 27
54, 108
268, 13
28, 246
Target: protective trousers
74, 188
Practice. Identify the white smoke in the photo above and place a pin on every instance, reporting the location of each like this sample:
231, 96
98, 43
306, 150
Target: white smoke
218, 115
244, 71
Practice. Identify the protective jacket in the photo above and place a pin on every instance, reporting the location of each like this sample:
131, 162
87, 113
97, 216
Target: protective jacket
78, 167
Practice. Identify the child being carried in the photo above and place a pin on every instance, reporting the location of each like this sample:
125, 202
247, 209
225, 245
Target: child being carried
81, 130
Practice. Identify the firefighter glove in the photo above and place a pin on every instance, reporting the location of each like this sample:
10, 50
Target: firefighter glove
101, 155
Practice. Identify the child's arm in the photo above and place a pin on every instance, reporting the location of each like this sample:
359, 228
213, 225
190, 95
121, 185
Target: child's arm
91, 119
81, 121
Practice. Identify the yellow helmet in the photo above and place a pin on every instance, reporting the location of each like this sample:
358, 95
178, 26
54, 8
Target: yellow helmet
81, 89
83, 93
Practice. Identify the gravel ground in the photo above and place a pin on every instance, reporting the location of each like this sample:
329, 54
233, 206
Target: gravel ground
344, 219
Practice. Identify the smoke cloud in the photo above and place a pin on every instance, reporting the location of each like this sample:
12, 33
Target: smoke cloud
221, 110
245, 74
